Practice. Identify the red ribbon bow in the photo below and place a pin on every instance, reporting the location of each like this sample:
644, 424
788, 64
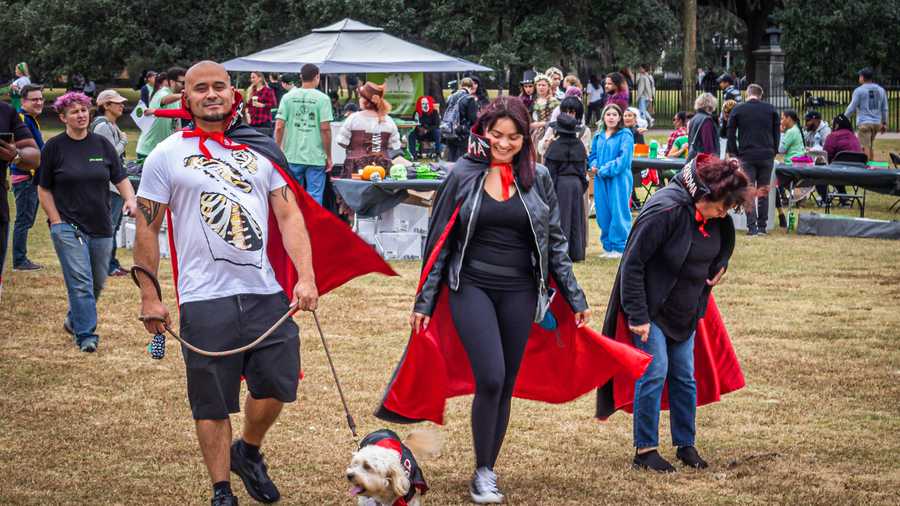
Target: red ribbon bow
702, 221
506, 178
219, 137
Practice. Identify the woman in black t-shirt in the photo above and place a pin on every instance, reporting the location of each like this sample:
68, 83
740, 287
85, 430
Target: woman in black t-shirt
76, 169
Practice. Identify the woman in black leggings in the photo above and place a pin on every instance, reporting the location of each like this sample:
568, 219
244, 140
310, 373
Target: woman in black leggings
497, 263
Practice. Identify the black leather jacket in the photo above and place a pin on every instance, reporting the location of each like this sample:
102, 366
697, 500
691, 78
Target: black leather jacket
463, 189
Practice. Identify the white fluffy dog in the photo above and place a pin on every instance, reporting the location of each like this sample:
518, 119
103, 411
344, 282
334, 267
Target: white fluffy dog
384, 471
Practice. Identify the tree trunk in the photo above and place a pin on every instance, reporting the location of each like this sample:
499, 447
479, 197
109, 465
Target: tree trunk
689, 61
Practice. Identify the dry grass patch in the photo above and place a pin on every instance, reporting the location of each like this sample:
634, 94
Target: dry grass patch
814, 322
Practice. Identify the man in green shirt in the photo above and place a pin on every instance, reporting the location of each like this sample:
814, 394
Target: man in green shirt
303, 130
168, 96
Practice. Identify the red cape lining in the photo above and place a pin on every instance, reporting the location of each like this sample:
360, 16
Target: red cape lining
558, 366
716, 367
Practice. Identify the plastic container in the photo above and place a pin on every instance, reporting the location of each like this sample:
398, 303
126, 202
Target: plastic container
654, 149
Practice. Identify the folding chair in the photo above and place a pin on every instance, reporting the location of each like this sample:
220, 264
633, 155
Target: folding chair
849, 158
895, 163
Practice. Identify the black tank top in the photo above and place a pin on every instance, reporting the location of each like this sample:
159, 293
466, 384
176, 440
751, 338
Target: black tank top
503, 237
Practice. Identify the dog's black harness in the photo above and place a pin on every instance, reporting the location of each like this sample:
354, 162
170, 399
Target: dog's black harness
389, 439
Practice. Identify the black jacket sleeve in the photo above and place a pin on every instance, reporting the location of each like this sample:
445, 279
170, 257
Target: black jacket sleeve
445, 203
732, 131
647, 236
559, 261
776, 130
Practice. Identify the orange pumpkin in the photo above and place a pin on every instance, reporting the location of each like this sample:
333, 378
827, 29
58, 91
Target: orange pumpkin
369, 170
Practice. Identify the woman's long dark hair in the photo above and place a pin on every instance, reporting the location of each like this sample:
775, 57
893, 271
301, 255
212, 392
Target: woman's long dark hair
513, 109
790, 113
841, 122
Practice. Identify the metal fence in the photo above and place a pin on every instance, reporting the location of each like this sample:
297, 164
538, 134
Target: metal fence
829, 99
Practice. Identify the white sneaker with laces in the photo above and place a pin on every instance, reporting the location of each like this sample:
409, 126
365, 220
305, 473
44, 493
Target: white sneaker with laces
483, 487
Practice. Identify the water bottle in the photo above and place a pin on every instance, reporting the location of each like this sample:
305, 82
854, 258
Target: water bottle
792, 220
654, 148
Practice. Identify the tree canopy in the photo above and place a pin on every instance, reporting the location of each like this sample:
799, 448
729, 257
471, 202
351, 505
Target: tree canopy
100, 38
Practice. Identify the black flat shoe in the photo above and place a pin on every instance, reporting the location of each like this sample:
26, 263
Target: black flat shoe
254, 474
652, 461
688, 456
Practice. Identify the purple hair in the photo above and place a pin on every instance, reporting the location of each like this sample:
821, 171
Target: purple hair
69, 99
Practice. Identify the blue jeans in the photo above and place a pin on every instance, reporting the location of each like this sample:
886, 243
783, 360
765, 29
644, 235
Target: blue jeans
312, 177
672, 361
85, 263
115, 212
644, 107
432, 135
26, 210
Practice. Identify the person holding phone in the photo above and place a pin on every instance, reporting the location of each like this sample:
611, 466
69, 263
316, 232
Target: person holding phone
17, 147
76, 170
678, 250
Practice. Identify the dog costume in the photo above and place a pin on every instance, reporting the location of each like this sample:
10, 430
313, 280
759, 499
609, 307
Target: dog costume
389, 439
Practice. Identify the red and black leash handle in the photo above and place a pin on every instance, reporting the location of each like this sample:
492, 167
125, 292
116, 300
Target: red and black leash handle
293, 309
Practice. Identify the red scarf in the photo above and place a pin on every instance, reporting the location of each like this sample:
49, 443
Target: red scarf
506, 178
702, 222
219, 137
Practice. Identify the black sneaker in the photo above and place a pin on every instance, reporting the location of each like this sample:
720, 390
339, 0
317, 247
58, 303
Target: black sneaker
689, 456
27, 265
652, 461
224, 500
89, 345
254, 474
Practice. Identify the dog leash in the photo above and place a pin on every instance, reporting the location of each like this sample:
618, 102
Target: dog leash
157, 346
350, 423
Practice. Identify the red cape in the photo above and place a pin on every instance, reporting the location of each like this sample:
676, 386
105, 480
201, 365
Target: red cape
716, 367
558, 366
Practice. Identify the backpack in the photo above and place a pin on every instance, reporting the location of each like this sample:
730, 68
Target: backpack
451, 128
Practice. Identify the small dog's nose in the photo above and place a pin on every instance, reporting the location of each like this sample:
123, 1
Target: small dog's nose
350, 476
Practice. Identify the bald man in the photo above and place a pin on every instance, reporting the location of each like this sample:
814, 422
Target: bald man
221, 182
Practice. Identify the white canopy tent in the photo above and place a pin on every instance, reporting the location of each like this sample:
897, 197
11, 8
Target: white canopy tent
351, 47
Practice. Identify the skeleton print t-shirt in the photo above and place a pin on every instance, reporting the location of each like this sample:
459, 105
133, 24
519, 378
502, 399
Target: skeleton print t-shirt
220, 214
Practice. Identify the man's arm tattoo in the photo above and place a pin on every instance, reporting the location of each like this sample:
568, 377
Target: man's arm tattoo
283, 191
149, 209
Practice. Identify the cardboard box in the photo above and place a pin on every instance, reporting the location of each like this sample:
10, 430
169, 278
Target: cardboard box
400, 245
366, 229
127, 232
404, 218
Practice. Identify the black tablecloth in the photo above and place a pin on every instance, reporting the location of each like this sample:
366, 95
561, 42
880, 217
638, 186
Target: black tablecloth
368, 199
877, 180
641, 163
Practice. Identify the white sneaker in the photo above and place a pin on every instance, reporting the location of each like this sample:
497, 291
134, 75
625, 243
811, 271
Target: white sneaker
483, 487
612, 254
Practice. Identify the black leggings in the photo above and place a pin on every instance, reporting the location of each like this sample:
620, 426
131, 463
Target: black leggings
493, 326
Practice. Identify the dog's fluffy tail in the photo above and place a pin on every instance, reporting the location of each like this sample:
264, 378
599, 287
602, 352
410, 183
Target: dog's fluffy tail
425, 443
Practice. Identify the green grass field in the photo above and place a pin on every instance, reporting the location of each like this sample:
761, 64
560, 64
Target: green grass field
813, 320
